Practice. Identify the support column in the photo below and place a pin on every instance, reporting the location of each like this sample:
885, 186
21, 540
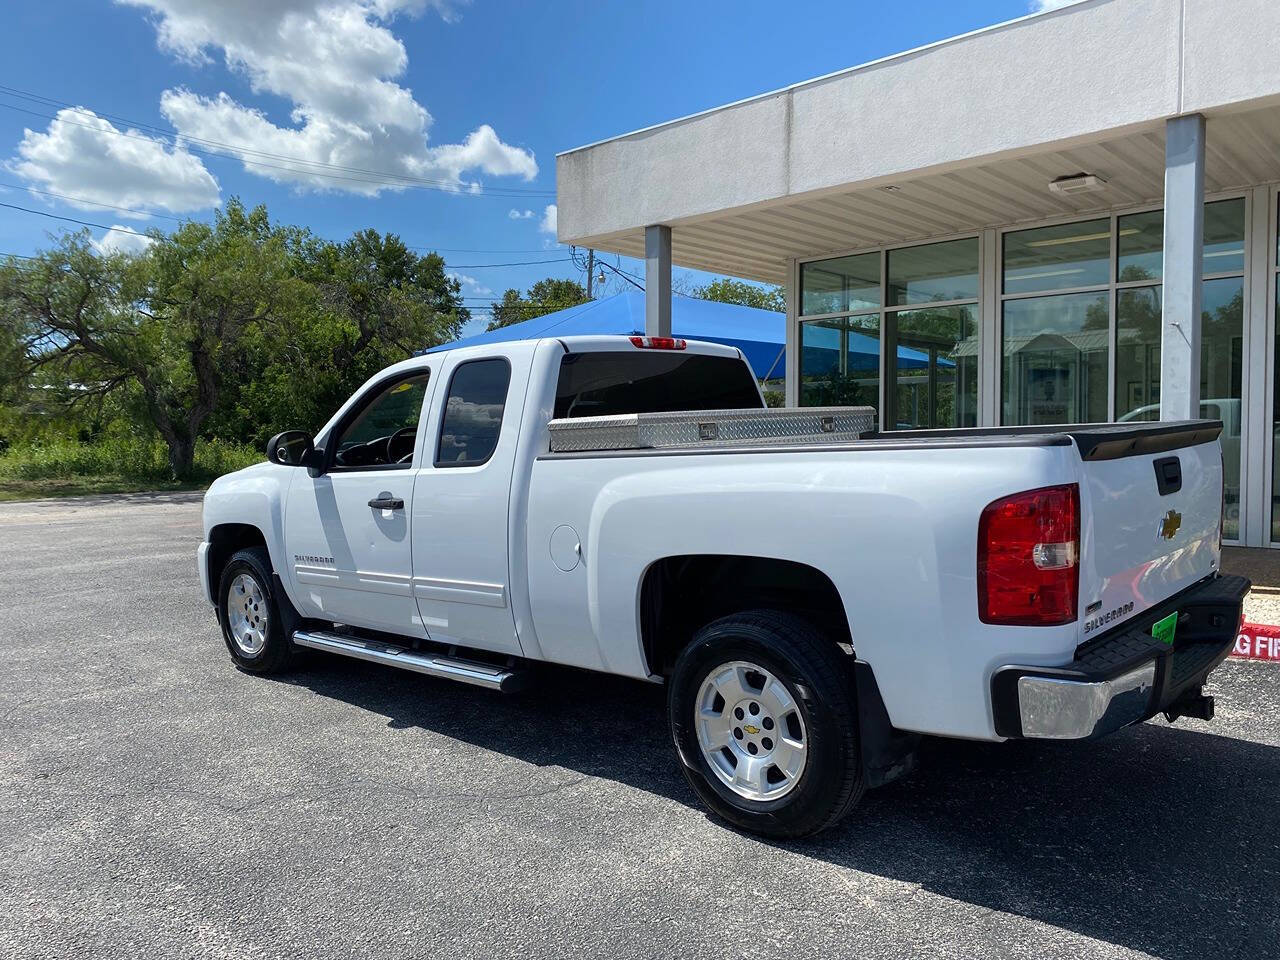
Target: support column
657, 281
793, 335
1255, 423
1183, 256
988, 333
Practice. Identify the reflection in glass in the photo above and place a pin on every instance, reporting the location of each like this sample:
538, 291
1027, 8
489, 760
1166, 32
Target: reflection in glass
1055, 359
840, 362
1058, 258
1140, 246
933, 376
1224, 236
1221, 376
1275, 421
845, 283
1138, 354
933, 271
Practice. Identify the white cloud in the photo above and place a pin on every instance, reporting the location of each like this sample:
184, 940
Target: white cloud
548, 224
520, 214
84, 155
119, 240
471, 284
1040, 6
336, 61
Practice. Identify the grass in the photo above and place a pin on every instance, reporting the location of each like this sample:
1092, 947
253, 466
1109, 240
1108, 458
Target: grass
67, 468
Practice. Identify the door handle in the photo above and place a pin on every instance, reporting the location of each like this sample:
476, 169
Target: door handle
387, 503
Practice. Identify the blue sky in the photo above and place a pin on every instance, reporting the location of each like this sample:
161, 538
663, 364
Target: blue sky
465, 105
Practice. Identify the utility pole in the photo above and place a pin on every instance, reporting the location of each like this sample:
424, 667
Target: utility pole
591, 268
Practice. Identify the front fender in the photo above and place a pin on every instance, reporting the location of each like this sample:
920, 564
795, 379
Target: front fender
253, 497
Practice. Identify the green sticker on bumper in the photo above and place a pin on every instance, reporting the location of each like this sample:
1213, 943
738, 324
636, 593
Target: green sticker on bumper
1163, 630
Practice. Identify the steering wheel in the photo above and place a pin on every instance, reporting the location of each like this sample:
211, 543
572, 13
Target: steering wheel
396, 441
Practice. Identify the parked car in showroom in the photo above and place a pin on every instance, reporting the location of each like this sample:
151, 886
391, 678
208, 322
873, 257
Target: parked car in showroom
815, 595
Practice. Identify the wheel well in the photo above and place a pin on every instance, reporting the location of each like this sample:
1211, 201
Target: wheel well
681, 594
224, 540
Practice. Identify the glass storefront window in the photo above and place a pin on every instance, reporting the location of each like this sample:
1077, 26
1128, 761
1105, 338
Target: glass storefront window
1138, 334
1221, 376
1060, 257
840, 362
1224, 237
933, 272
1274, 424
1140, 246
933, 356
1054, 367
845, 284
933, 368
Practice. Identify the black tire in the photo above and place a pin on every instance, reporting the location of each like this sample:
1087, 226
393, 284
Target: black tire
277, 653
817, 676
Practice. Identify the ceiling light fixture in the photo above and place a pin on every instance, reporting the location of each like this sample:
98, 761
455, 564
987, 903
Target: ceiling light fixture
1077, 183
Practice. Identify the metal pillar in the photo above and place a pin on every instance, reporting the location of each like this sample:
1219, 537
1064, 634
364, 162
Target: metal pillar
657, 281
1183, 256
792, 384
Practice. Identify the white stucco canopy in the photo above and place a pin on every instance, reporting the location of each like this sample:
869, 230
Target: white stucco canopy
954, 136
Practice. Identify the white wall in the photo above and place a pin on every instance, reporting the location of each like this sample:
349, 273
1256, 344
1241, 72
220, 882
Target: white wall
1071, 74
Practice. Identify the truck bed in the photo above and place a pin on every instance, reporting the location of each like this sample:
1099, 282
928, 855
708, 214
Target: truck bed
827, 428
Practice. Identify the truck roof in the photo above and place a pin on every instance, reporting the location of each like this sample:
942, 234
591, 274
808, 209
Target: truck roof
589, 344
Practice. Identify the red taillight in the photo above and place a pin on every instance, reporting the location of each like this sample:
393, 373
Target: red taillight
658, 343
1029, 558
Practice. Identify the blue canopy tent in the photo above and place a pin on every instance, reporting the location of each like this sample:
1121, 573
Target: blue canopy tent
759, 334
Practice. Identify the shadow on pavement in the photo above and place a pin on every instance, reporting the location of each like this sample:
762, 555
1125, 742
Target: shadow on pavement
1158, 839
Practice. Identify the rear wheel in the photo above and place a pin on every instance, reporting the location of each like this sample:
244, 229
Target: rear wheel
763, 718
252, 618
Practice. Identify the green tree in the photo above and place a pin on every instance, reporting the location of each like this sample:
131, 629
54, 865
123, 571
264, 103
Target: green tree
726, 290
545, 296
165, 326
373, 302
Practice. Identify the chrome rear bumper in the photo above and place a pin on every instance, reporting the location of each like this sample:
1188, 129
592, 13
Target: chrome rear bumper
1126, 675
1054, 709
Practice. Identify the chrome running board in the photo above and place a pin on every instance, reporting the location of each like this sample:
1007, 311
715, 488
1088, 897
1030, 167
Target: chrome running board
503, 679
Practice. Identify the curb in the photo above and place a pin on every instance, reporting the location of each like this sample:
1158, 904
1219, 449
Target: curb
1258, 641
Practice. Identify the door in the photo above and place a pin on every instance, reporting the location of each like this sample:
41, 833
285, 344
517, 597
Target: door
460, 570
347, 530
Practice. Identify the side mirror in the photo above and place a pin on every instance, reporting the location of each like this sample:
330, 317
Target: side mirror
293, 448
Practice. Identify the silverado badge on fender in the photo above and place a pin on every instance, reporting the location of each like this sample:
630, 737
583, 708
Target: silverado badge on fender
1169, 524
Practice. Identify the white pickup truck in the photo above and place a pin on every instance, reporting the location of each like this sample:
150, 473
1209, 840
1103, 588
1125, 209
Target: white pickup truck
814, 594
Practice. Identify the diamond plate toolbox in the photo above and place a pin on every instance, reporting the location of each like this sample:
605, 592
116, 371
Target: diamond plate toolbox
711, 428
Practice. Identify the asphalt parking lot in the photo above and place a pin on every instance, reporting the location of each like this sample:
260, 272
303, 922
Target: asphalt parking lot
157, 803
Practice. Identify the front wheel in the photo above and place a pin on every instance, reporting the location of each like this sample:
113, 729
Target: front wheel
763, 718
252, 618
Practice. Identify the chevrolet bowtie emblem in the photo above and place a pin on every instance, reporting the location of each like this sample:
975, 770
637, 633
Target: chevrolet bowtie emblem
1169, 524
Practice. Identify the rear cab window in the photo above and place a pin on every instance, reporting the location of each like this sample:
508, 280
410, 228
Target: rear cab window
473, 413
608, 383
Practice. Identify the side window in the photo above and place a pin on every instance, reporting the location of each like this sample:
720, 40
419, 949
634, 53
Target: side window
383, 431
473, 413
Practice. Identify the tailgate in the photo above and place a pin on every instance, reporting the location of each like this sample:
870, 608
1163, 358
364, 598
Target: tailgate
1151, 504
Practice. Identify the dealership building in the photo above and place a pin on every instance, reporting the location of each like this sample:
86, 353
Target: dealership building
1071, 217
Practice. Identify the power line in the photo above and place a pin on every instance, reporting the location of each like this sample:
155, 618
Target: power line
604, 263
149, 213
522, 263
98, 203
83, 223
103, 226
226, 151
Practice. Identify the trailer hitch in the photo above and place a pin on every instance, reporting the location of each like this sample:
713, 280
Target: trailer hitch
1192, 704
